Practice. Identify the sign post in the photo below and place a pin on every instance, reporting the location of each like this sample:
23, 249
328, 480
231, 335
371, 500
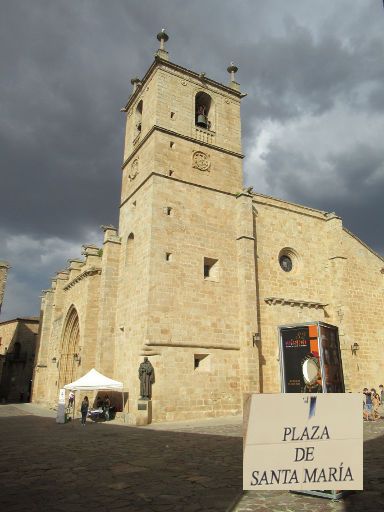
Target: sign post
60, 416
304, 442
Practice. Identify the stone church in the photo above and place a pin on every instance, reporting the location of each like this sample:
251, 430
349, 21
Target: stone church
201, 273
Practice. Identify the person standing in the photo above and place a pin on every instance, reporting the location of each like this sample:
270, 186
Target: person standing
84, 410
375, 404
71, 398
368, 407
381, 393
107, 405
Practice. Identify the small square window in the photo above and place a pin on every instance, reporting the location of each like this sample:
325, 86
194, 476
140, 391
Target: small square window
202, 362
168, 256
168, 210
170, 172
172, 115
172, 145
211, 269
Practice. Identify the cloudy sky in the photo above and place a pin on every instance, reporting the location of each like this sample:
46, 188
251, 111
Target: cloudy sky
313, 120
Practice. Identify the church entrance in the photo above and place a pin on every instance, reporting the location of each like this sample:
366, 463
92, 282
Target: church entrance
310, 359
69, 353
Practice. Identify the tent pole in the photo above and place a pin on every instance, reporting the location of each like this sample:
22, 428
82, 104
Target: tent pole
122, 398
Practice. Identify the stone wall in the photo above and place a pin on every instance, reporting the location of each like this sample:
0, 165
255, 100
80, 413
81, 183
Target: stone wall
17, 353
335, 279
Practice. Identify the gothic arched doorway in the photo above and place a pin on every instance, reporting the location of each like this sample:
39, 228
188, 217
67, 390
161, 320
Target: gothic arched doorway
69, 353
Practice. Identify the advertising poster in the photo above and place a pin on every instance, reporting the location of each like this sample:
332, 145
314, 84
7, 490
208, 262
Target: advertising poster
301, 368
306, 442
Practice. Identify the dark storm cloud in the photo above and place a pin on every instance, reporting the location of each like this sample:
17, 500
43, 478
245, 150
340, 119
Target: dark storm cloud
65, 72
350, 183
298, 74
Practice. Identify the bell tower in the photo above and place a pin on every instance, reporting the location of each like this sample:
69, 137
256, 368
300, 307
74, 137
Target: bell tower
183, 125
180, 288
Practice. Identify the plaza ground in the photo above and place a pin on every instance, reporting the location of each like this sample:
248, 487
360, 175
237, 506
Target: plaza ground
183, 466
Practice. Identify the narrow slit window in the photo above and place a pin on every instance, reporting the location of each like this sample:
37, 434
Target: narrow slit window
139, 115
168, 256
130, 250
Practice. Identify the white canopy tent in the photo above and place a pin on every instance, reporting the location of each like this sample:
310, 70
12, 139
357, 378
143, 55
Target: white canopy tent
94, 380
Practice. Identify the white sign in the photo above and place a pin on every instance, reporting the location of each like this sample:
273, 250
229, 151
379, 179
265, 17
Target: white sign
298, 441
60, 416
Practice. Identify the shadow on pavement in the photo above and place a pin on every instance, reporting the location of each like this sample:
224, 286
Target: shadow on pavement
372, 498
104, 467
46, 466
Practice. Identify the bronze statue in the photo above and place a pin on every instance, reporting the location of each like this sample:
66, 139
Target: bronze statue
147, 378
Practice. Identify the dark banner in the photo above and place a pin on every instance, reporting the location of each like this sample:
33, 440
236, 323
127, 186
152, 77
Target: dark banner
331, 357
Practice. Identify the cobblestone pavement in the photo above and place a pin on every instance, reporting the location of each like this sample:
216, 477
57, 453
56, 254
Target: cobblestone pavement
185, 466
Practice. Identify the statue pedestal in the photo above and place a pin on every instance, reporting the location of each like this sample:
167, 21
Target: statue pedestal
144, 412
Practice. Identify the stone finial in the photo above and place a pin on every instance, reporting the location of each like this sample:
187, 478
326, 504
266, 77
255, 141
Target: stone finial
62, 274
110, 234
90, 250
163, 37
232, 69
108, 227
75, 264
136, 82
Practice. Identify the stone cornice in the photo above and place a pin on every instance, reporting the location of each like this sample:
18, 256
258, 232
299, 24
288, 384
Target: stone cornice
179, 136
272, 301
222, 346
199, 185
281, 204
245, 237
89, 272
112, 241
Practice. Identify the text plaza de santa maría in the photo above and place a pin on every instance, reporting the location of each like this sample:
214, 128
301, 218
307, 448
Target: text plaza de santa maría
202, 275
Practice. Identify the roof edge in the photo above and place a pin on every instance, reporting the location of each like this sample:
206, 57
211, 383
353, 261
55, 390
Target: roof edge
159, 61
35, 319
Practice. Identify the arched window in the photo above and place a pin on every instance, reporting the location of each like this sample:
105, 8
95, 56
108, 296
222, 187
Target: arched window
130, 250
69, 351
203, 110
139, 115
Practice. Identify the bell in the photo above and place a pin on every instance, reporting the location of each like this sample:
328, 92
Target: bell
202, 120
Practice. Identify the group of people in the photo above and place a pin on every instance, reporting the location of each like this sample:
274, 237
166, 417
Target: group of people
105, 404
372, 400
